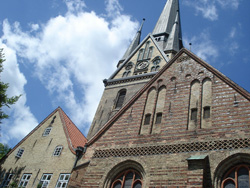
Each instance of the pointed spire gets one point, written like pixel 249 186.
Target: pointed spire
pixel 173 43
pixel 168 27
pixel 135 42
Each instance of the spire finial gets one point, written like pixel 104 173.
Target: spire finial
pixel 143 20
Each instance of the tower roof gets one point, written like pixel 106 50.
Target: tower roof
pixel 169 25
pixel 134 43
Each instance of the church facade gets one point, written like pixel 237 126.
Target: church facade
pixel 167 119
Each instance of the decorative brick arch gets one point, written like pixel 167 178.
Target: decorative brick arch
pixel 123 166
pixel 227 164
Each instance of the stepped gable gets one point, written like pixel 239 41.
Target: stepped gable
pixel 179 57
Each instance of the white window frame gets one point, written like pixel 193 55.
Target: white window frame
pixel 62 181
pixel 7 179
pixel 57 151
pixel 45 180
pixel 24 180
pixel 19 152
pixel 47 131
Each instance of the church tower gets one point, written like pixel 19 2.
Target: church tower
pixel 140 63
pixel 167 119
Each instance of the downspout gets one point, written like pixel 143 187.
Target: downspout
pixel 80 151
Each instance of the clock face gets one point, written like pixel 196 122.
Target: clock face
pixel 142 65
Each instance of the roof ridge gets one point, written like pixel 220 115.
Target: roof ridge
pixel 68 125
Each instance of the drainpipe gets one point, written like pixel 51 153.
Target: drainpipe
pixel 80 151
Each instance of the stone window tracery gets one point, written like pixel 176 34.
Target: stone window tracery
pixel 127 179
pixel 237 177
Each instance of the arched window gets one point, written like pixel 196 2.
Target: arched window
pixel 120 98
pixel 237 176
pixel 127 179
pixel 140 55
pixel 150 52
pixel 145 56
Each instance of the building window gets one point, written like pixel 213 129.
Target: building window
pixel 6 180
pixel 126 74
pixel 120 99
pixel 237 177
pixel 156 65
pixel 147 119
pixel 145 56
pixel 158 118
pixel 140 55
pixel 45 180
pixel 194 113
pixel 150 52
pixel 19 152
pixel 206 113
pixel 25 180
pixel 47 131
pixel 63 180
pixel 57 151
pixel 127 179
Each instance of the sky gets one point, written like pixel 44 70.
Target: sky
pixel 58 51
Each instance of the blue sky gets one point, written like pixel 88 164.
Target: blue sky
pixel 59 51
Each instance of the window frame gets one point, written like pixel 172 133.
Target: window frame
pixel 206 112
pixel 46 132
pixel 62 181
pixel 123 175
pixel 147 119
pixel 24 180
pixel 192 116
pixel 236 168
pixel 19 153
pixel 158 118
pixel 57 151
pixel 43 182
pixel 120 98
pixel 7 179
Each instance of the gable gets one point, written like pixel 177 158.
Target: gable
pixel 146 58
pixel 60 129
pixel 229 105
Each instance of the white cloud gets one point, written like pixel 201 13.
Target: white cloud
pixel 234 4
pixel 232 32
pixel 79 50
pixel 209 8
pixel 74 5
pixel 203 46
pixel 22 121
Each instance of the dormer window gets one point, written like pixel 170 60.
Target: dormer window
pixel 47 131
pixel 57 151
pixel 19 152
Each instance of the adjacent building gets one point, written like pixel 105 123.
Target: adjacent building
pixel 46 156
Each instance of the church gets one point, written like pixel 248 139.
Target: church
pixel 167 119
